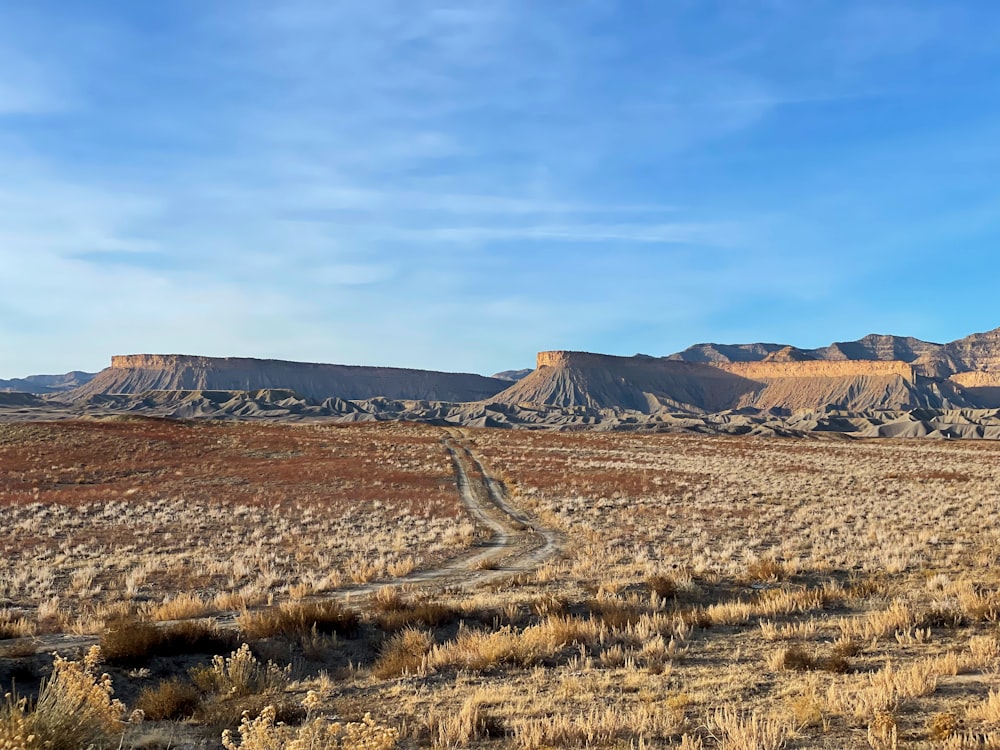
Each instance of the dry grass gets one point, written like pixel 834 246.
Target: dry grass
pixel 182 520
pixel 170 699
pixel 841 594
pixel 131 642
pixel 298 619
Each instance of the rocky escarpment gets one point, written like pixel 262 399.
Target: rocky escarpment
pixel 138 373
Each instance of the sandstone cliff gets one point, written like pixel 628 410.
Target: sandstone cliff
pixel 819 369
pixel 138 373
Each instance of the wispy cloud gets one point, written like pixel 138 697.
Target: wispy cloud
pixel 420 183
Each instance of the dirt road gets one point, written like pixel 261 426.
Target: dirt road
pixel 518 545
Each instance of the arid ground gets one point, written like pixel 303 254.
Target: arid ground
pixel 413 586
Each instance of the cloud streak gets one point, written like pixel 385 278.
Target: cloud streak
pixel 375 182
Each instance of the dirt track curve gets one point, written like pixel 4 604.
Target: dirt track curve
pixel 519 544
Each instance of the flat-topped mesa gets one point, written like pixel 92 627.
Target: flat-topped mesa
pixel 139 373
pixel 819 369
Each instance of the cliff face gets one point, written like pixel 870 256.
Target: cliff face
pixel 138 373
pixel 819 369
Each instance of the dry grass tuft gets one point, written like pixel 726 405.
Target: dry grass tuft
pixel 135 642
pixel 394 612
pixel 299 619
pixel 735 730
pixel 171 699
pixel 404 653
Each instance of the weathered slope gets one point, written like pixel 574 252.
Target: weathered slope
pixel 644 384
pixel 140 373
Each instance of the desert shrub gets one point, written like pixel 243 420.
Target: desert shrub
pixel 404 653
pixel 766 569
pixel 299 619
pixel 15 732
pixel 795 658
pixel 132 642
pixel 129 642
pixel 240 674
pixel 228 711
pixel 267 732
pixel 470 723
pixel 988 710
pixel 74 709
pixel 615 613
pixel 11 627
pixel 662 586
pixel 423 613
pixel 941 726
pixel 171 699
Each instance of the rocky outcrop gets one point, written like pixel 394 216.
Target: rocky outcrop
pixel 138 373
pixel 804 369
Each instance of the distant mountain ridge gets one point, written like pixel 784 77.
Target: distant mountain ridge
pixel 768 386
pixel 872 347
pixel 42 384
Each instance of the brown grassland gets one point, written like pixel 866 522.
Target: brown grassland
pixel 710 592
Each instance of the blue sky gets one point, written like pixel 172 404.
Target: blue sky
pixel 458 185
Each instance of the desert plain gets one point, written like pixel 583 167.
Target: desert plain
pixel 172 584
